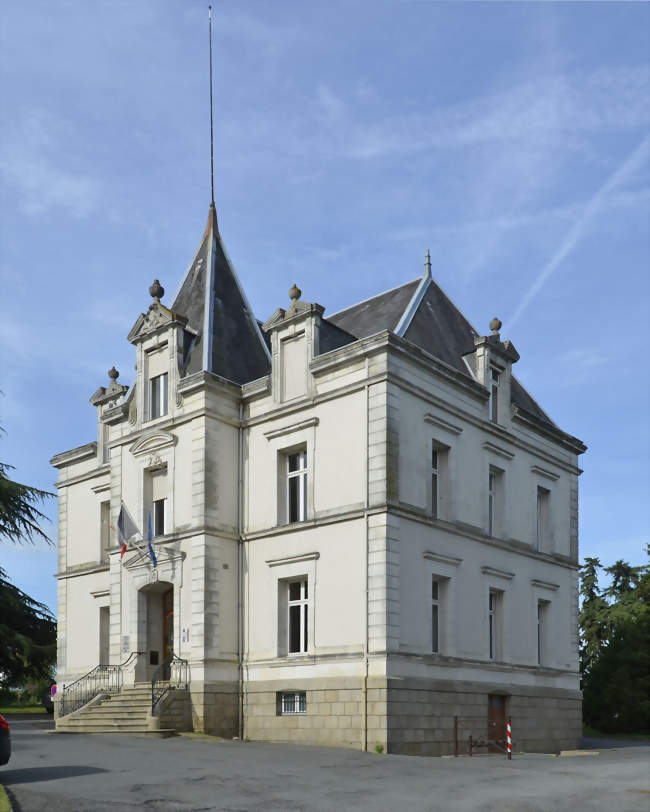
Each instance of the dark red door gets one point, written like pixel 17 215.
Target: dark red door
pixel 496 722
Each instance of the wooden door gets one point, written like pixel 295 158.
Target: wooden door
pixel 496 722
pixel 168 628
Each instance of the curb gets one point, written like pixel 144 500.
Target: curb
pixel 5 803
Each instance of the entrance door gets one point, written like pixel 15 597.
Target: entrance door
pixel 496 722
pixel 168 628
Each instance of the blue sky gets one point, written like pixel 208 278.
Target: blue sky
pixel 511 139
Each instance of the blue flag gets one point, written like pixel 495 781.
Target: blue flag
pixel 150 545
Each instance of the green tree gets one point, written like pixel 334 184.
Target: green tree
pixel 27 635
pixel 19 516
pixel 27 627
pixel 594 615
pixel 615 647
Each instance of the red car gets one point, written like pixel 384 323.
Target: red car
pixel 5 740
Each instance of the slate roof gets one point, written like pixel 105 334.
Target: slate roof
pixel 230 342
pixel 436 326
pixel 382 312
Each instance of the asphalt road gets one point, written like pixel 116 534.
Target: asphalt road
pixel 52 772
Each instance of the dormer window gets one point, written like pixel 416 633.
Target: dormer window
pixel 158 396
pixel 494 394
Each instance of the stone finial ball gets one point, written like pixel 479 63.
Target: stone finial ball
pixel 156 291
pixel 113 374
pixel 295 293
pixel 495 325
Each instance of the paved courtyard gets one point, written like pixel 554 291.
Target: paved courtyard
pixel 55 772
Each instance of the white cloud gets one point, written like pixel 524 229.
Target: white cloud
pixel 630 166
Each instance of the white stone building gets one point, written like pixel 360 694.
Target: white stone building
pixel 364 525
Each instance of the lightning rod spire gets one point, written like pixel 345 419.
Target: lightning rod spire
pixel 211 115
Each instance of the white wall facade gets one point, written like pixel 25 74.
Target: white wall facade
pixel 369 545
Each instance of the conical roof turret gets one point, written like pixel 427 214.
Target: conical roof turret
pixel 229 341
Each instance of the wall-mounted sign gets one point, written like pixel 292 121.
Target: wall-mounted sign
pixel 53 689
pixel 125 644
pixel 185 635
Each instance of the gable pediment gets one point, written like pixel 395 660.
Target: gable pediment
pixel 153 440
pixel 157 318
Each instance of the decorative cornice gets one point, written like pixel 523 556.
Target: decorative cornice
pixel 500 452
pixel 100 593
pixel 498 573
pixel 105 486
pixel 544 584
pixel 292 559
pixel 82 452
pixel 535 469
pixel 442 424
pixel 441 559
pixel 281 432
pixel 540 427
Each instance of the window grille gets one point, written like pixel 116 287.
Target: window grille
pixel 293 703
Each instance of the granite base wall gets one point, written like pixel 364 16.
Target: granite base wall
pixel 175 710
pixel 421 717
pixel 215 708
pixel 334 717
pixel 404 716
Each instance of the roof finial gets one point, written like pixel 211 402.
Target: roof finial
pixel 211 116
pixel 495 326
pixel 427 263
pixel 294 294
pixel 113 374
pixel 156 291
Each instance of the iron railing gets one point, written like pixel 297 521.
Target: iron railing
pixel 173 672
pixel 103 679
pixel 476 733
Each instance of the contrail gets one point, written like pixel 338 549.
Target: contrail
pixel 631 164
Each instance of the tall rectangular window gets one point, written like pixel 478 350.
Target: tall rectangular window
pixel 297 621
pixel 541 531
pixel 434 483
pixel 297 487
pixel 435 616
pixel 158 396
pixel 494 624
pixel 159 510
pixel 496 490
pixel 542 631
pixel 439 495
pixel 105 529
pixel 491 502
pixel 494 395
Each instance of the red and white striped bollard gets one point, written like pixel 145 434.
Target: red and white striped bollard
pixel 509 740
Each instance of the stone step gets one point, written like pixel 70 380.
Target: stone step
pixel 162 733
pixel 108 717
pixel 125 703
pixel 106 721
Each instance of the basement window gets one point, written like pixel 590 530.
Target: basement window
pixel 291 703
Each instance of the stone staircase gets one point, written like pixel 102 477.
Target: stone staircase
pixel 126 712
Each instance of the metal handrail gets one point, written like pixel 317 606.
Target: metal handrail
pixel 102 679
pixel 178 673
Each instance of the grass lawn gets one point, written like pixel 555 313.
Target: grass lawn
pixel 8 710
pixel 5 806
